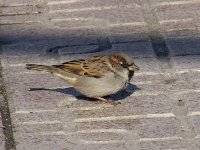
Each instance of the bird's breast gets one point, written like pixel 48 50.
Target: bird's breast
pixel 98 87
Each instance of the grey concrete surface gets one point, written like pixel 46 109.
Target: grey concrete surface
pixel 160 111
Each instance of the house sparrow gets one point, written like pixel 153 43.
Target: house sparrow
pixel 95 77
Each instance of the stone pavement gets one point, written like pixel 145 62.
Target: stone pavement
pixel 159 111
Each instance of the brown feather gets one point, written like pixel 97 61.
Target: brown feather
pixel 92 67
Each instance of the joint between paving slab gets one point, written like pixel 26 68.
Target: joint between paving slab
pixel 5 112
pixel 158 43
pixel 103 45
pixel 180 111
pixel 6 119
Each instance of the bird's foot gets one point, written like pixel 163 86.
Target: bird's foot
pixel 108 101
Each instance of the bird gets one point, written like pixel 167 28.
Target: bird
pixel 94 77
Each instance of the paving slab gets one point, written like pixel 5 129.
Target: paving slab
pixel 160 109
pixel 53 114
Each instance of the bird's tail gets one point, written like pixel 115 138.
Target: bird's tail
pixel 45 68
pixel 54 70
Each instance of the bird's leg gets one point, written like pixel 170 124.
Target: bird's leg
pixel 107 101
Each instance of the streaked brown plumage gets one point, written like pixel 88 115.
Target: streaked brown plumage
pixel 95 77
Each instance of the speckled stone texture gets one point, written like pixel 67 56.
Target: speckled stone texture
pixel 159 111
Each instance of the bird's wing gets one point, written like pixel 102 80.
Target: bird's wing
pixel 95 66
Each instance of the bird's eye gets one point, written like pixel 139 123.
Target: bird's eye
pixel 124 64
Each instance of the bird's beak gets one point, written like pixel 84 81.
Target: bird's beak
pixel 133 68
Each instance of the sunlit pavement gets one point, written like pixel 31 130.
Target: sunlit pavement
pixel 160 110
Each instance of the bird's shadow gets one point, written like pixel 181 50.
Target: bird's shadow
pixel 71 91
